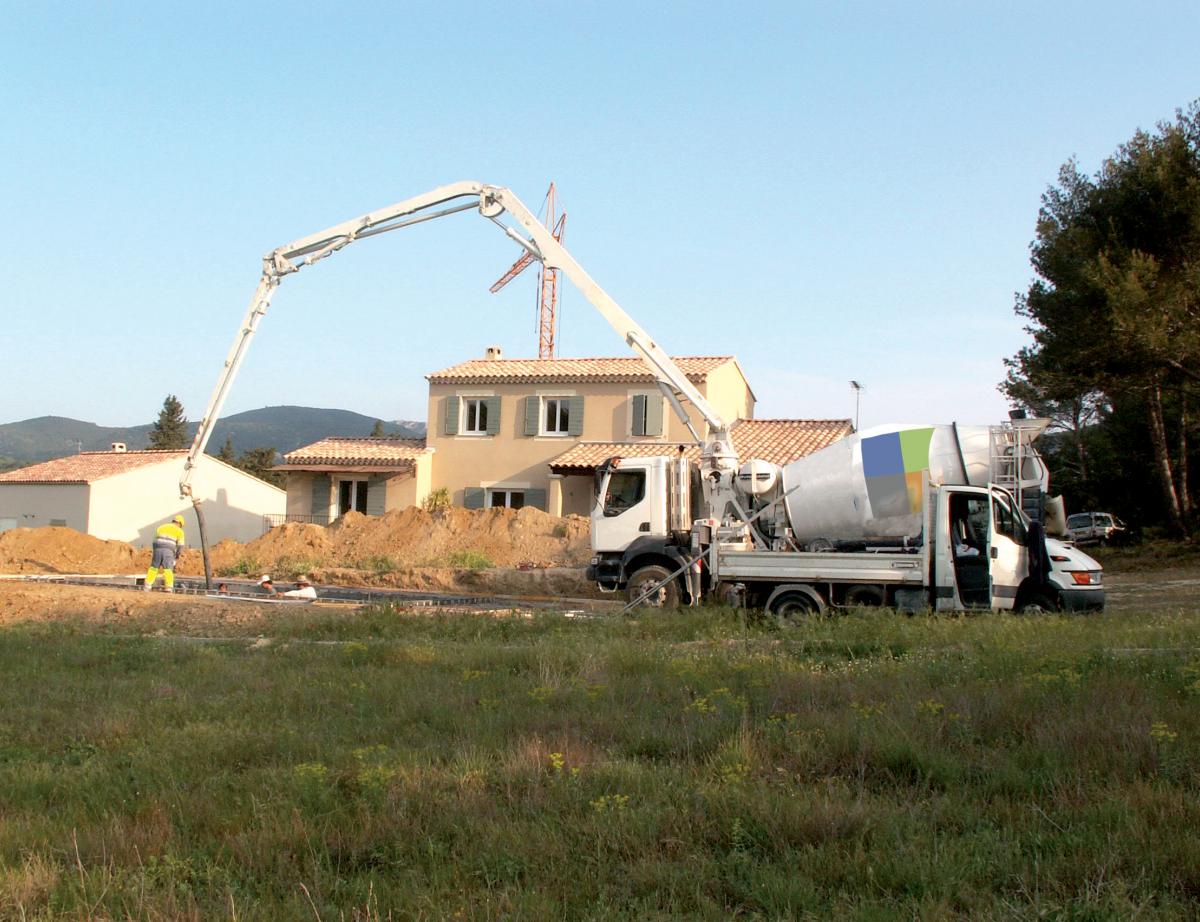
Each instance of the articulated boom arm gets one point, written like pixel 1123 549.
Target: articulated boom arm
pixel 492 202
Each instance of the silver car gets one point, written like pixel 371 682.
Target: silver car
pixel 1096 528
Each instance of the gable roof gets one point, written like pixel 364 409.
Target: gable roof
pixel 336 452
pixel 561 371
pixel 779 441
pixel 90 466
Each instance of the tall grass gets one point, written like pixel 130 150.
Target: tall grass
pixel 674 765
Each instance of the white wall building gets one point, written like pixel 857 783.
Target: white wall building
pixel 125 495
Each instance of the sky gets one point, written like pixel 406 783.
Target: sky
pixel 825 191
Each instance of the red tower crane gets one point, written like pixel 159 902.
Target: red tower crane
pixel 547 281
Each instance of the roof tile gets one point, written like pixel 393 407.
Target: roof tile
pixel 555 371
pixel 90 466
pixel 779 441
pixel 358 452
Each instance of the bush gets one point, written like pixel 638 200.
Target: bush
pixel 244 566
pixel 379 565
pixel 437 501
pixel 294 564
pixel 470 560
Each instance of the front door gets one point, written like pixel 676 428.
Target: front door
pixel 970 529
pixel 1008 553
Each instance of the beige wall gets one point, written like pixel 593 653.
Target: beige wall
pixel 513 460
pixel 34 505
pixel 131 506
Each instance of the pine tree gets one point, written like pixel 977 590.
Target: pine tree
pixel 170 431
pixel 226 453
pixel 377 432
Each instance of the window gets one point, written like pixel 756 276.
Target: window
pixel 1008 522
pixel 475 416
pixel 625 490
pixel 352 496
pixel 556 415
pixel 507 499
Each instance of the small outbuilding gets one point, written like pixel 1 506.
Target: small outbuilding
pixel 125 495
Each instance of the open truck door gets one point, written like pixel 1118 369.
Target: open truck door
pixel 1008 554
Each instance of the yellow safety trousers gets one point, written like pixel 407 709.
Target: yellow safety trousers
pixel 166 530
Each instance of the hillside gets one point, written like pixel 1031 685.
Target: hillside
pixel 285 428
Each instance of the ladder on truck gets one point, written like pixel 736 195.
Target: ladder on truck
pixel 1010 449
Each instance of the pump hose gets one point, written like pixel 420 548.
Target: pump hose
pixel 203 543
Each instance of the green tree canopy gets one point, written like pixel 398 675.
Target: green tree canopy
pixel 226 453
pixel 377 429
pixel 1114 310
pixel 259 461
pixel 170 429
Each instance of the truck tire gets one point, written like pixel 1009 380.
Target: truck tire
pixel 1041 602
pixel 794 604
pixel 644 578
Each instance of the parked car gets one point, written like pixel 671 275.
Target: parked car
pixel 1096 528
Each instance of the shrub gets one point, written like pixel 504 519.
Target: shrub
pixel 379 564
pixel 437 501
pixel 244 566
pixel 470 560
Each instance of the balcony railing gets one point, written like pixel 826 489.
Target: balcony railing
pixel 271 520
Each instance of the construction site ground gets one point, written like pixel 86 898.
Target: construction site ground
pixel 506 559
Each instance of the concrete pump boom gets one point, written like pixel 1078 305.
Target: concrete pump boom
pixel 492 202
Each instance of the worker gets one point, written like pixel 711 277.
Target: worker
pixel 304 589
pixel 267 585
pixel 168 545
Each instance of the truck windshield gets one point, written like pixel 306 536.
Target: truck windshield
pixel 625 490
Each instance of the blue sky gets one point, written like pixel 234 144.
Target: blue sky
pixel 826 191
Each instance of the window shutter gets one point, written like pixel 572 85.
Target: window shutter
pixel 533 409
pixel 575 416
pixel 452 414
pixel 536 498
pixel 493 415
pixel 654 416
pixel 320 495
pixel 473 498
pixel 639 415
pixel 376 496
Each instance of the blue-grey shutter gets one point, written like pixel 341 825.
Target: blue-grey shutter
pixel 536 498
pixel 452 413
pixel 654 415
pixel 493 415
pixel 639 415
pixel 575 416
pixel 320 495
pixel 533 409
pixel 473 498
pixel 376 496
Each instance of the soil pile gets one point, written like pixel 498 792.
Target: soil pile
pixel 64 550
pixel 402 541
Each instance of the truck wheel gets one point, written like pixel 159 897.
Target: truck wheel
pixel 793 606
pixel 665 597
pixel 1042 602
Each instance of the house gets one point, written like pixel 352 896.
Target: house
pixel 368 475
pixel 125 495
pixel 530 432
pixel 496 425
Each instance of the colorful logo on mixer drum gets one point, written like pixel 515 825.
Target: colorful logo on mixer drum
pixel 892 465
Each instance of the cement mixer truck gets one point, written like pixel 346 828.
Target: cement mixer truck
pixel 910 516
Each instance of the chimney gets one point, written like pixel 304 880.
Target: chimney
pixel 119 446
pixel 493 352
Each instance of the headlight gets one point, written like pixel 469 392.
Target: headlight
pixel 1085 577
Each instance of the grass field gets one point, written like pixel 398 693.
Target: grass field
pixel 391 765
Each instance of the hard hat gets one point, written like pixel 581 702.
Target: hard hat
pixel 265 579
pixel 178 520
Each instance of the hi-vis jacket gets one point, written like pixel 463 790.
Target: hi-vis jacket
pixel 169 537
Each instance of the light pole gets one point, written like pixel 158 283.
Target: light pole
pixel 858 389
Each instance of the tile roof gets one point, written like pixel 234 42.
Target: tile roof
pixel 776 440
pixel 556 371
pixel 89 466
pixel 384 453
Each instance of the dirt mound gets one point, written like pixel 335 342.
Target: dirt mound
pixel 64 550
pixel 401 542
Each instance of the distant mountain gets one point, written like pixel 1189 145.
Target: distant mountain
pixel 284 428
